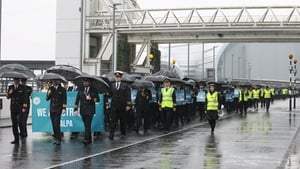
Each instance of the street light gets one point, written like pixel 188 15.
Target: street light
pixel 291 70
pixel 295 73
pixel 150 57
pixel 173 62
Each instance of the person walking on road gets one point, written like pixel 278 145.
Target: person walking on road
pixel 58 103
pixel 200 99
pixel 267 96
pixel 167 103
pixel 86 98
pixel 120 104
pixel 142 104
pixel 28 90
pixel 213 106
pixel 18 108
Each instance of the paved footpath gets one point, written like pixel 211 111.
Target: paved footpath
pixel 258 140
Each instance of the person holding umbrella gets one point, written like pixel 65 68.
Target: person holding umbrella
pixel 120 104
pixel 86 98
pixel 142 103
pixel 213 106
pixel 58 103
pixel 18 107
pixel 28 89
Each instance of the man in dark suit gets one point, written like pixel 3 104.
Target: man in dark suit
pixel 120 102
pixel 28 90
pixel 58 103
pixel 18 108
pixel 143 110
pixel 86 97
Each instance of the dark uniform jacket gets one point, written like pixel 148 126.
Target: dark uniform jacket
pixel 28 90
pixel 143 97
pixel 86 106
pixel 120 98
pixel 58 99
pixel 19 98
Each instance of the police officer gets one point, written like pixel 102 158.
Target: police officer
pixel 120 104
pixel 200 99
pixel 142 103
pixel 167 103
pixel 86 97
pixel 213 106
pixel 28 90
pixel 180 104
pixel 18 109
pixel 58 103
pixel 236 93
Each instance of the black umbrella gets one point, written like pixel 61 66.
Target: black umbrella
pixel 136 76
pixel 98 83
pixel 175 80
pixel 52 76
pixel 168 73
pixel 13 75
pixel 142 83
pixel 17 68
pixel 67 71
pixel 155 78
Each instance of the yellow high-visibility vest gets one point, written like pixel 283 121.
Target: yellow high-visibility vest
pixel 212 101
pixel 243 95
pixel 255 94
pixel 167 99
pixel 268 93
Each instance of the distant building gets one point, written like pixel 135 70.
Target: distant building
pixel 256 61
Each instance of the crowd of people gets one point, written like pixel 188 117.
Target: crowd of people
pixel 166 105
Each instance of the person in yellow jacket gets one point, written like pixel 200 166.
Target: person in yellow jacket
pixel 255 94
pixel 268 96
pixel 167 104
pixel 243 99
pixel 213 106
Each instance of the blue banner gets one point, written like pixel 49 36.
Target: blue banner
pixel 69 122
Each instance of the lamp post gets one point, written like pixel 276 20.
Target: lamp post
pixel 295 73
pixel 291 70
pixel 114 37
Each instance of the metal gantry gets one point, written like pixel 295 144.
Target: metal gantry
pixel 185 25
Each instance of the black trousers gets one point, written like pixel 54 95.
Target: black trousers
pixel 255 103
pixel 25 124
pixel 243 106
pixel 179 114
pixel 143 112
pixel 55 120
pixel 87 121
pixel 116 115
pixel 168 117
pixel 267 101
pixel 200 106
pixel 18 120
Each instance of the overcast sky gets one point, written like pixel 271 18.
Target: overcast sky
pixel 28 26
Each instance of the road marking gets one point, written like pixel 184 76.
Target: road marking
pixel 133 144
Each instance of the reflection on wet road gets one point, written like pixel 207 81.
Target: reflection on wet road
pixel 258 140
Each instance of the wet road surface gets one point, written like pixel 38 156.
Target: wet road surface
pixel 258 140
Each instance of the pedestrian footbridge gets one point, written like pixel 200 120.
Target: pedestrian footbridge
pixel 223 24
